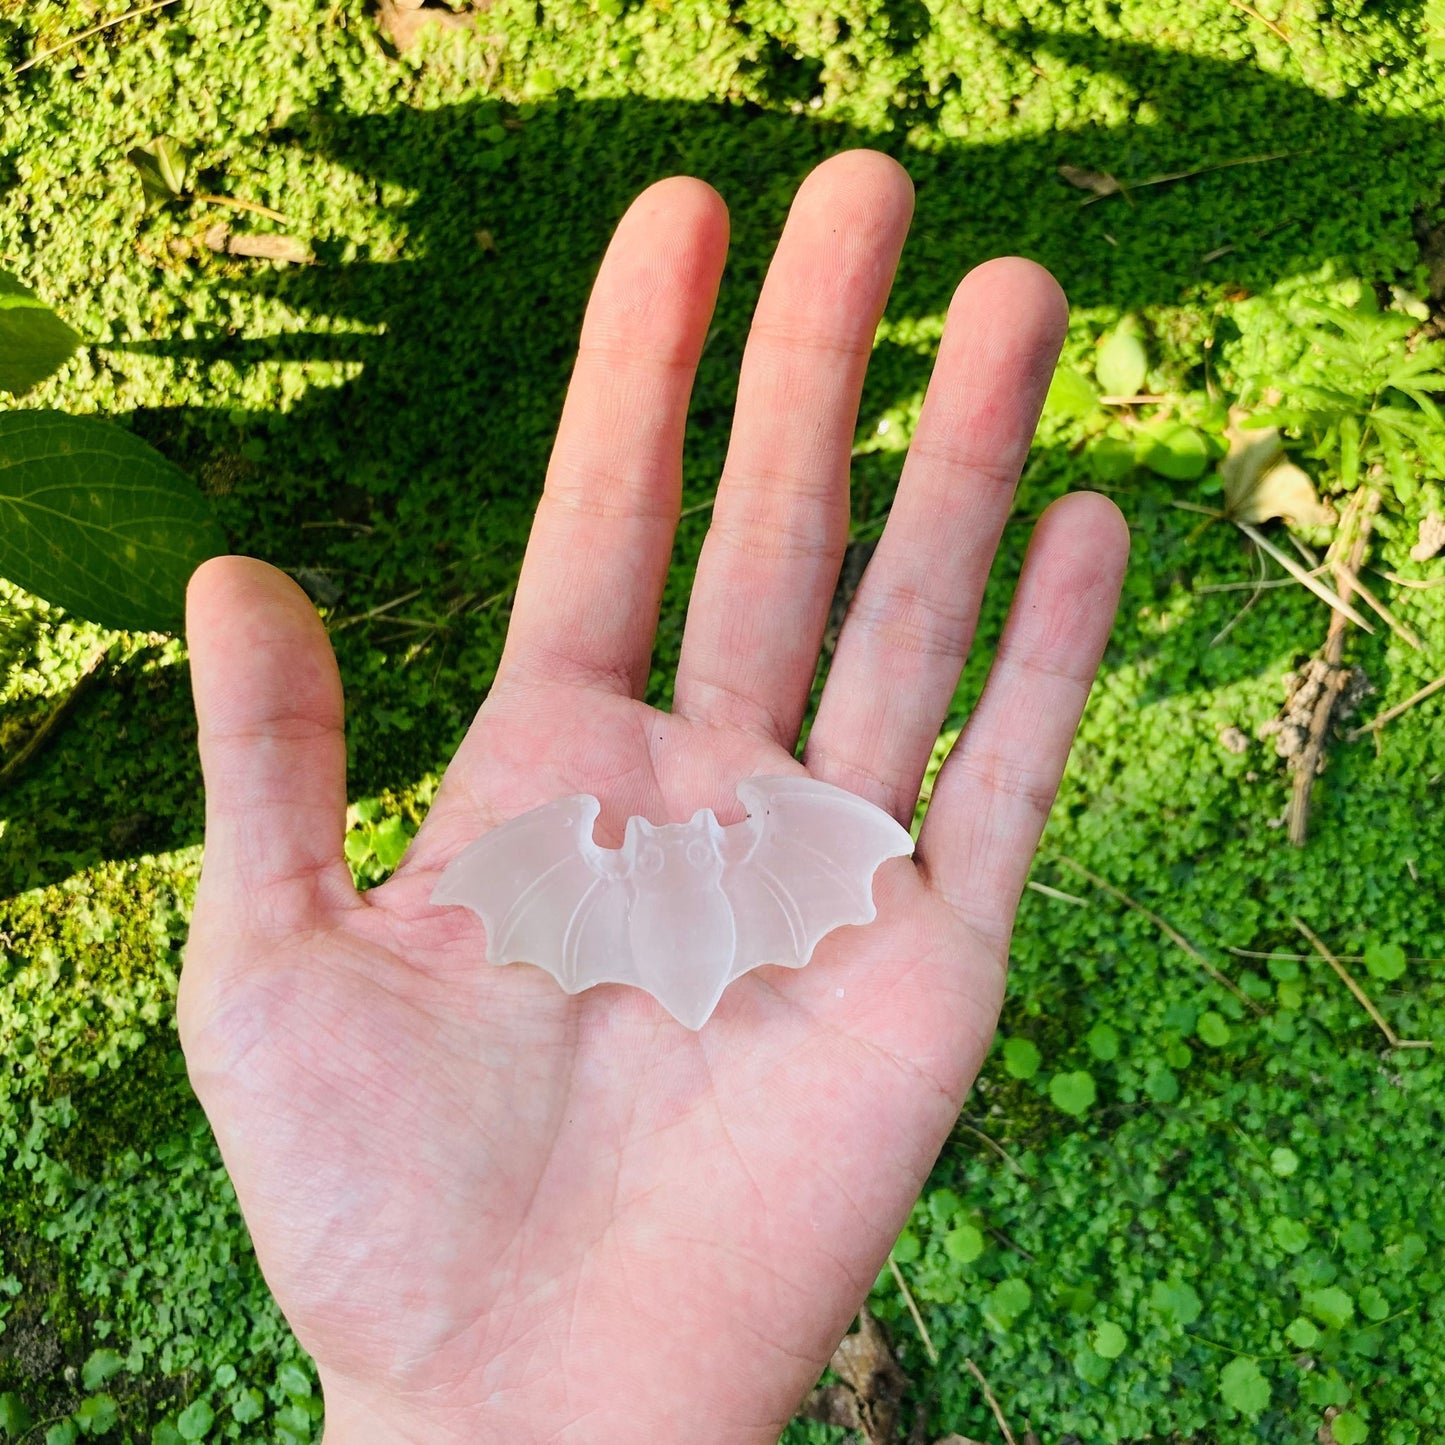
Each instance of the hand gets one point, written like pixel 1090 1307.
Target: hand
pixel 492 1211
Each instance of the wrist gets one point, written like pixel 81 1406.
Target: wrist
pixel 356 1415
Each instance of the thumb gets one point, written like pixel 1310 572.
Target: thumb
pixel 273 750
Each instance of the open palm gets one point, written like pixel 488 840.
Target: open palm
pixel 495 1211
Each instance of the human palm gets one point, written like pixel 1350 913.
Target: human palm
pixel 494 1210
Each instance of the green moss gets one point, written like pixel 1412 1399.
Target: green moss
pixel 380 422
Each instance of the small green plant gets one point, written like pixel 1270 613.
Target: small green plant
pixel 1358 394
pixel 1243 1387
pixel 375 846
pixel 91 517
pixel 1073 1093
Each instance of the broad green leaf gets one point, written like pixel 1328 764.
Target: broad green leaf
pixel 943 1204
pixel 1244 1387
pixel 1109 1341
pixel 1411 1250
pixel 1289 1234
pixel 99 1368
pixel 1349 1429
pixel 1073 1093
pixel 1373 1304
pixel 1070 395
pixel 63 1432
pixel 1122 363
pixel 1331 1306
pixel 97 1414
pixel 1177 1300
pixel 1358 1239
pixel 1302 1333
pixel 1385 961
pixel 162 169
pixel 964 1244
pixel 907 1248
pixel 1110 459
pixel 166 1434
pixel 1021 1058
pixel 1213 1029
pixel 1103 1042
pixel 1006 1301
pixel 195 1420
pixel 34 341
pixel 389 842
pixel 95 521
pixel 1171 449
pixel 292 1418
pixel 15 1418
pixel 291 1377
pixel 1283 1161
pixel 250 1406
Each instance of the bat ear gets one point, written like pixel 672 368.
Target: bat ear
pixel 737 843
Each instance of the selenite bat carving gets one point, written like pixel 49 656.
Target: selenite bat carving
pixel 680 909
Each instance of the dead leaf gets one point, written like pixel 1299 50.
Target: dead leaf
pixel 1432 538
pixel 833 1405
pixel 1261 483
pixel 872 1379
pixel 1101 183
pixel 402 21
pixel 270 248
pixel 955 1440
pixel 259 246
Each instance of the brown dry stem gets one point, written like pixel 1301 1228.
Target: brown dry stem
pixel 1394 1040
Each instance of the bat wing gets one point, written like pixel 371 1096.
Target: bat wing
pixel 545 895
pixel 810 869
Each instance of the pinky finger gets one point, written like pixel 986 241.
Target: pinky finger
pixel 994 792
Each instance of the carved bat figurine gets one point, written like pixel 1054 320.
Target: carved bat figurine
pixel 680 909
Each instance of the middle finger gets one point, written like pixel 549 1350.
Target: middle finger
pixel 770 562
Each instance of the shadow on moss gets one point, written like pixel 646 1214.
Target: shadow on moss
pixel 421 472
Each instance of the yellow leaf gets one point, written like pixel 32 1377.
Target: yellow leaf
pixel 1261 483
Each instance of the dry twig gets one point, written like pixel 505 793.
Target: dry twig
pixel 1058 893
pixel 86 34
pixel 1404 633
pixel 1301 576
pixel 1394 1040
pixel 993 1403
pixel 1124 187
pixel 1390 714
pixel 1306 957
pixel 45 729
pixel 908 1300
pixel 236 204
pixel 1263 19
pixel 1167 929
pixel 996 1147
pixel 1354 532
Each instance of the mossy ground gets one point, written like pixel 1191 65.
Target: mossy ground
pixel 1247 1186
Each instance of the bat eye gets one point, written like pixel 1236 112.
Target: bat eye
pixel 649 861
pixel 698 854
